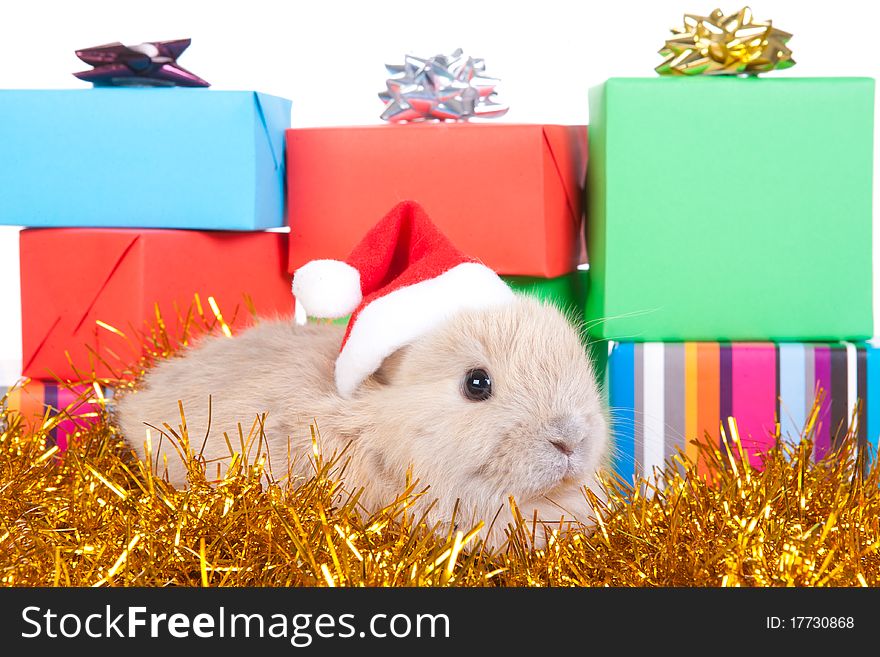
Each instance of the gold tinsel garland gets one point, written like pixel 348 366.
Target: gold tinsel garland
pixel 96 516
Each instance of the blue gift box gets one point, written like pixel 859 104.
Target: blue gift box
pixel 143 157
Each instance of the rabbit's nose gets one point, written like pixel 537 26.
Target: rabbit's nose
pixel 562 447
pixel 565 433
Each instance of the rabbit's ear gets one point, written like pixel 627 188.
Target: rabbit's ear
pixel 388 369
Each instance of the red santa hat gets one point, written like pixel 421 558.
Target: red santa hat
pixel 404 279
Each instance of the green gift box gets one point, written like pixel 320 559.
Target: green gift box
pixel 725 208
pixel 566 292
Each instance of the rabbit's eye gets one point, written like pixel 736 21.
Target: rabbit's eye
pixel 477 385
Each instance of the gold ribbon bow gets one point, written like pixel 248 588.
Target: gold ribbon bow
pixel 725 45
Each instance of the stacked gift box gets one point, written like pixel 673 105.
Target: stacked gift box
pixel 729 232
pixel 728 229
pixel 137 201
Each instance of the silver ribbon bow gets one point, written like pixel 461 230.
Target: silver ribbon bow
pixel 440 88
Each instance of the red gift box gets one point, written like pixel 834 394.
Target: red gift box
pixel 73 278
pixel 507 194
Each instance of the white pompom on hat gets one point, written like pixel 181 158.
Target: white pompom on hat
pixel 404 279
pixel 328 288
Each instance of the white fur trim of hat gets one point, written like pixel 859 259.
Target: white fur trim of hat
pixel 399 317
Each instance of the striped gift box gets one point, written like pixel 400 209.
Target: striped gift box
pixel 665 394
pixel 33 398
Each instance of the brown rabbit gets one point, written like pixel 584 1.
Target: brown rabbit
pixel 482 393
pixel 539 434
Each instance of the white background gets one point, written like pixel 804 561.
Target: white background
pixel 328 58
